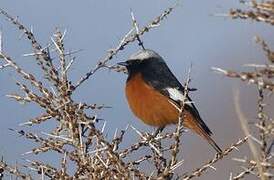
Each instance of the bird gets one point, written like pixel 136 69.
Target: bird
pixel 155 95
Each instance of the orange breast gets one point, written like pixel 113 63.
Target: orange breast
pixel 154 109
pixel 148 104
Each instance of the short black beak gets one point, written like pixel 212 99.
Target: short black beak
pixel 123 64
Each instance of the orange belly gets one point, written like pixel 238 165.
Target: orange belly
pixel 149 105
pixel 154 109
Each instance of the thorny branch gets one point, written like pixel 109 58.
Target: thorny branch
pixel 199 171
pixel 129 38
pixel 261 141
pixel 77 138
pixel 90 150
pixel 259 11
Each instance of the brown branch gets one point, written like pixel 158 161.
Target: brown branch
pixel 124 42
pixel 198 172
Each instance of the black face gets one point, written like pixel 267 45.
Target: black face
pixel 142 66
pixel 134 65
pixel 150 68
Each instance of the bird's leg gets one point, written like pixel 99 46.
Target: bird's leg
pixel 158 130
pixel 157 143
pixel 192 89
pixel 160 161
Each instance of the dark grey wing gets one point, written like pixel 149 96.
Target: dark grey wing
pixel 163 80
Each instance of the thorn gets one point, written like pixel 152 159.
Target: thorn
pixel 219 70
pixel 1 41
pixel 104 125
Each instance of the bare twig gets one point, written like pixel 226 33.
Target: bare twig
pixel 125 41
pixel 198 172
pixel 246 131
pixel 134 21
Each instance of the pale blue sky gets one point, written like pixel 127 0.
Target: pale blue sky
pixel 191 34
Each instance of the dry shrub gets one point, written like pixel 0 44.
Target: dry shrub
pixel 261 141
pixel 76 138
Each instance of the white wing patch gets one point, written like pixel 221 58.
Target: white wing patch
pixel 175 94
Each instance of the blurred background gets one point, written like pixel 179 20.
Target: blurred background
pixel 193 34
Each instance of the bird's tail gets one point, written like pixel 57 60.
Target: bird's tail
pixel 210 141
pixel 192 123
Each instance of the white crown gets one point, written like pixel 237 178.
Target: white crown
pixel 145 54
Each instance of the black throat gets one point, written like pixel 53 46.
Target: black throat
pixel 155 73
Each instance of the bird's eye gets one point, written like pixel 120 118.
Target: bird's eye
pixel 133 62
